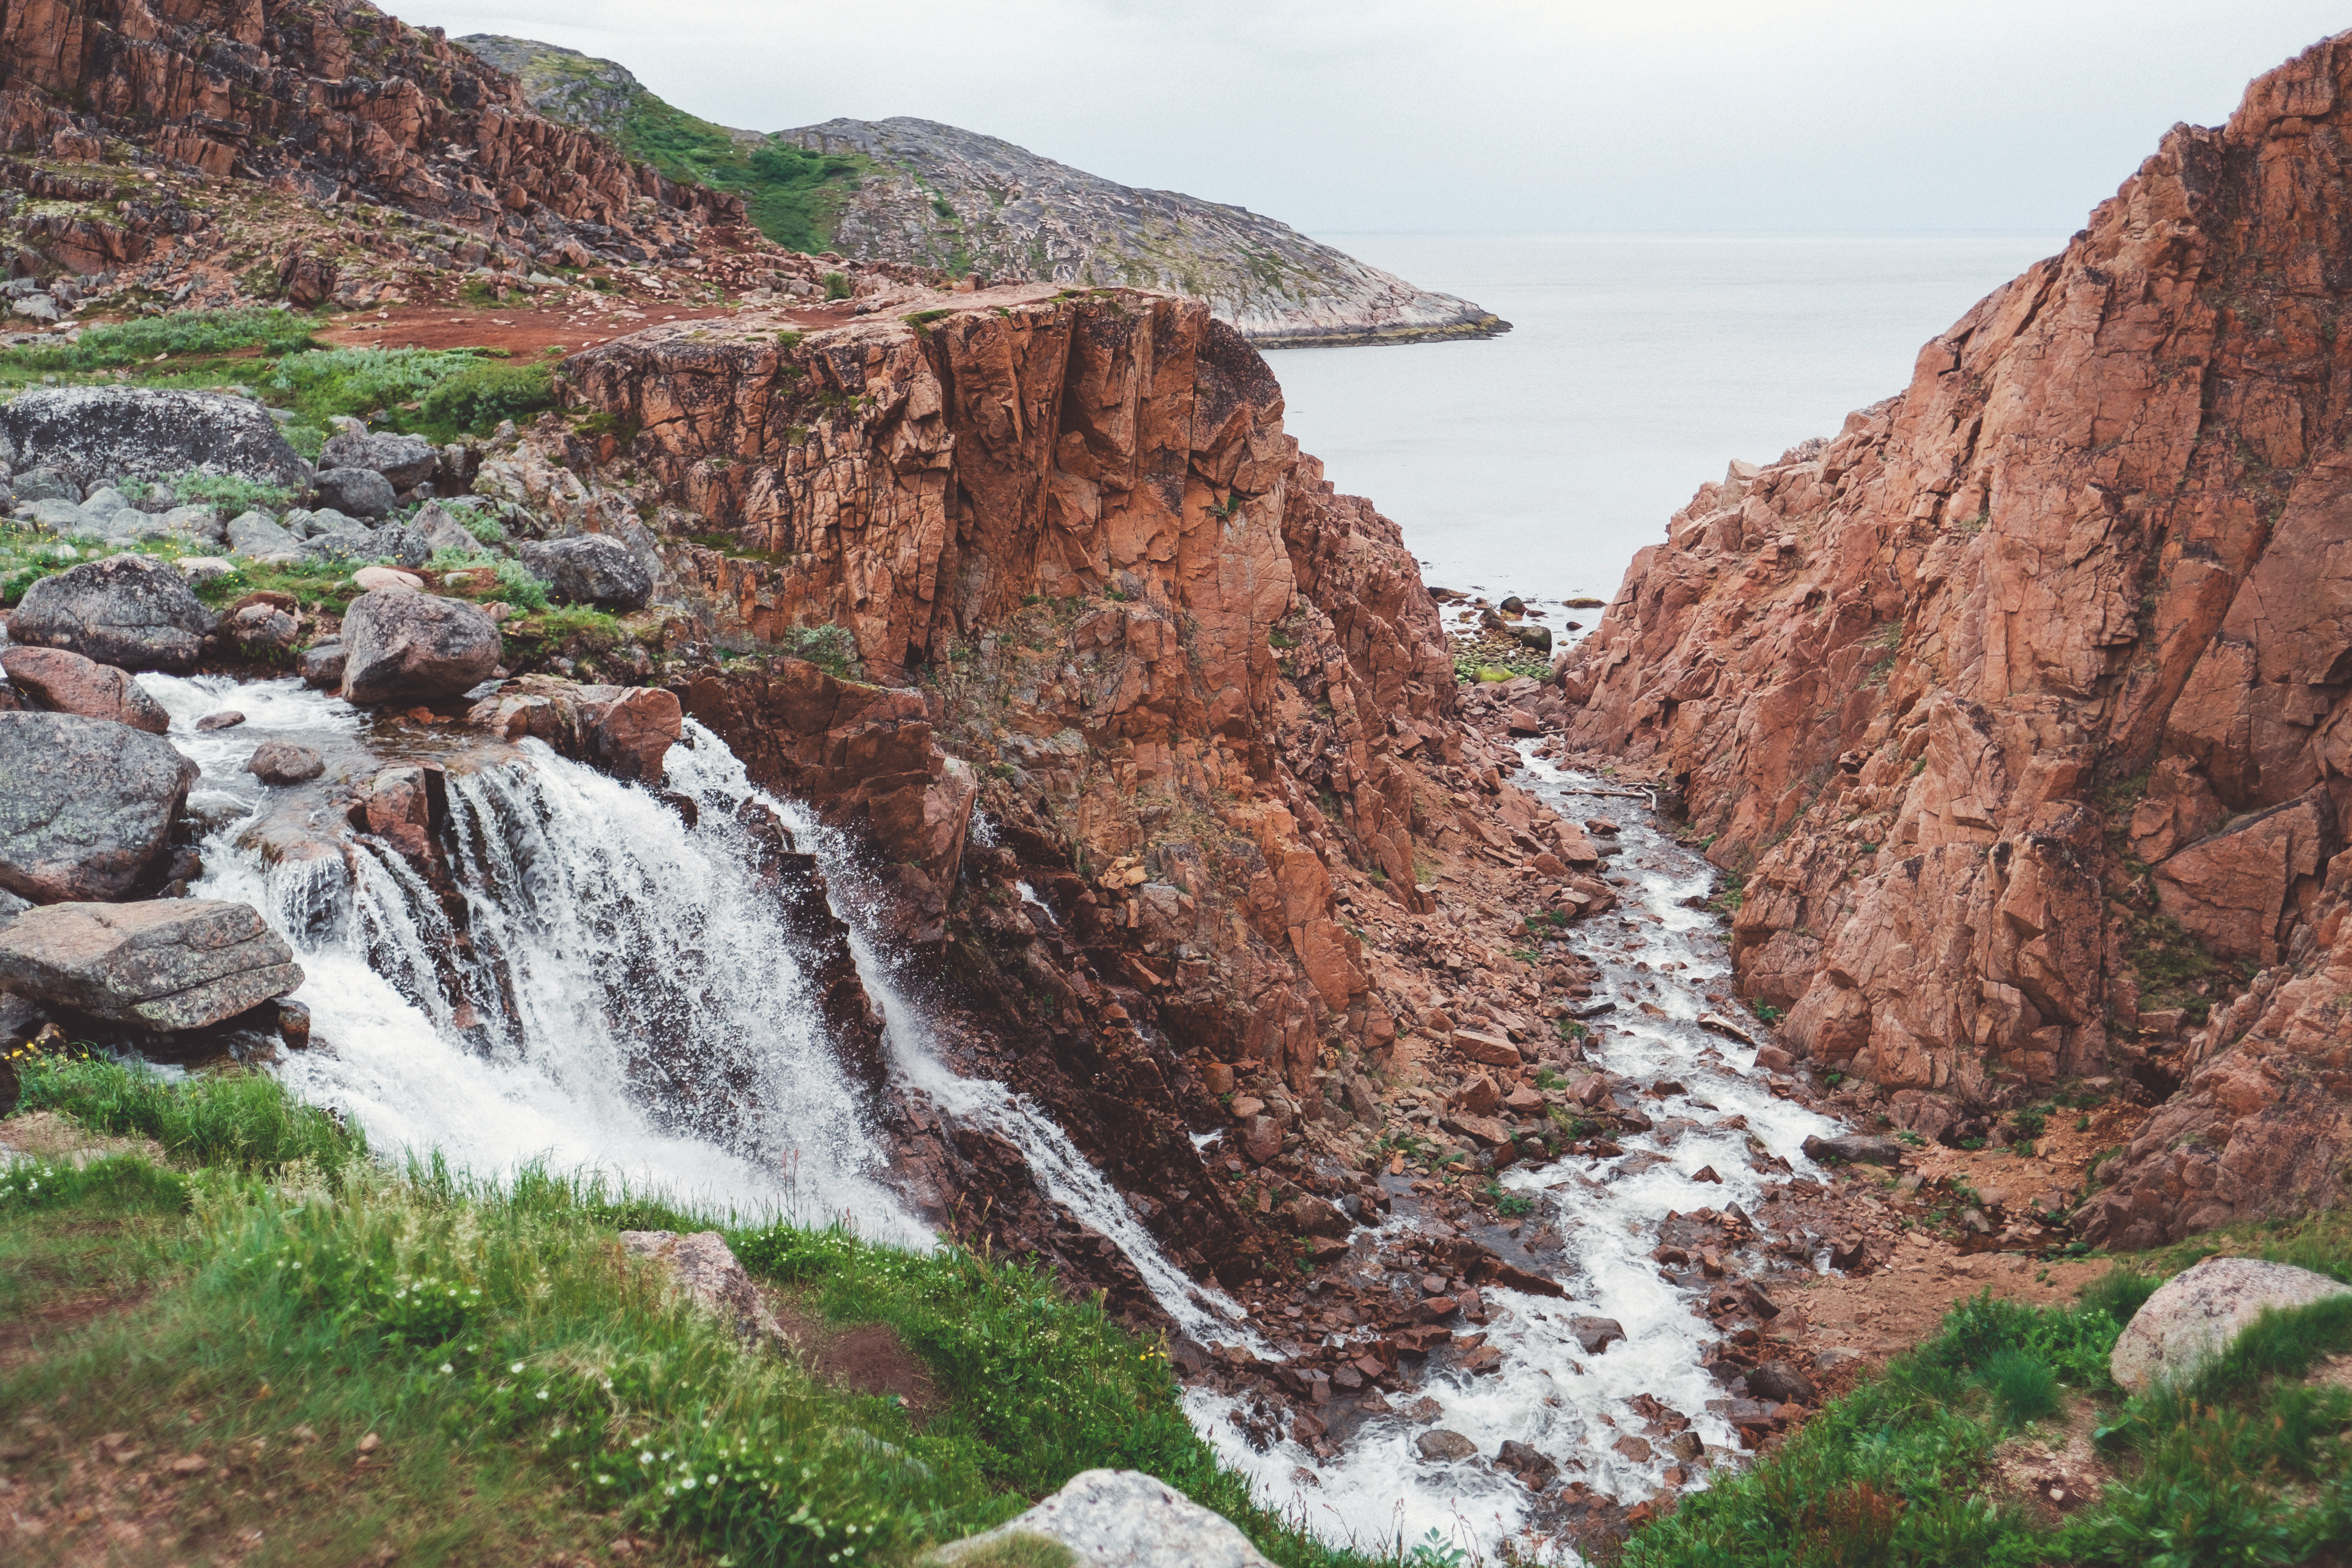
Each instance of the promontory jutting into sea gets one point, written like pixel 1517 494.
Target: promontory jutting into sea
pixel 843 845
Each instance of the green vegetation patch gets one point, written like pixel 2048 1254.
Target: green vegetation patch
pixel 349 1360
pixel 794 195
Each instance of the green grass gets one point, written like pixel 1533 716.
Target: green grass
pixel 181 334
pixel 793 196
pixel 2242 1464
pixel 525 1380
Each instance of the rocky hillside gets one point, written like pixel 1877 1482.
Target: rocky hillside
pixel 2018 710
pixel 931 196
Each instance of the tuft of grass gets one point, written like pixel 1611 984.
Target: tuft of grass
pixel 238 1119
pixel 231 493
pixel 180 334
pixel 2021 1385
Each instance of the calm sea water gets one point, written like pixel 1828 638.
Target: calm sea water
pixel 1539 462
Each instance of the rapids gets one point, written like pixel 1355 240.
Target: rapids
pixel 618 997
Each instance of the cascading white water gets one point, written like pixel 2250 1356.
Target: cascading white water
pixel 606 947
pixel 1549 1394
pixel 619 995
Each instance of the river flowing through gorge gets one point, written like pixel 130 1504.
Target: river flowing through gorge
pixel 606 985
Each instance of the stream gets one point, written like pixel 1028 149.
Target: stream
pixel 618 997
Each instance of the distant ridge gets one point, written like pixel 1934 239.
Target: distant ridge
pixel 918 191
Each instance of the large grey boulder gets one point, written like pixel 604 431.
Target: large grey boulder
pixel 90 433
pixel 45 485
pixel 166 964
pixel 62 681
pixel 336 546
pixel 438 531
pixel 400 544
pixel 361 492
pixel 2201 1311
pixel 402 645
pixel 1121 1518
pixel 406 461
pixel 55 515
pixel 86 805
pixel 590 569
pixel 128 610
pixel 253 535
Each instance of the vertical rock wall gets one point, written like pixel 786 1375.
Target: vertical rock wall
pixel 2020 704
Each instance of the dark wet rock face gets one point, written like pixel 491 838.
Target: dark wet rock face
pixel 592 569
pixel 400 644
pixel 128 611
pixel 86 806
pixel 168 964
pixel 64 682
pixel 98 433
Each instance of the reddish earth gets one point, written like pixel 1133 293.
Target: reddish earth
pixel 594 320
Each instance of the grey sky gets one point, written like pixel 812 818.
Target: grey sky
pixel 1492 114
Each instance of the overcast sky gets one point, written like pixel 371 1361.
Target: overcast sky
pixel 1539 116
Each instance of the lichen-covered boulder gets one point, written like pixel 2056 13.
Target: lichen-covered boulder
pixel 361 492
pixel 2201 1310
pixel 93 434
pixel 1121 1518
pixel 590 569
pixel 86 805
pixel 62 681
pixel 405 461
pixel 402 645
pixel 166 964
pixel 127 610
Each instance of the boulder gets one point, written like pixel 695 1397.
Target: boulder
pixel 705 1269
pixel 1595 1334
pixel 52 514
pixel 361 492
pixel 625 730
pixel 127 610
pixel 346 542
pixel 1488 1050
pixel 64 682
pixel 400 643
pixel 254 534
pixel 1854 1149
pixel 405 461
pixel 166 964
pixel 46 483
pixel 439 530
pixel 1440 1446
pixel 86 805
pixel 89 434
pixel 1783 1384
pixel 2201 1310
pixel 399 543
pixel 181 525
pixel 321 663
pixel 263 628
pixel 590 569
pixel 370 578
pixel 1312 1215
pixel 1119 1519
pixel 283 762
pixel 199 570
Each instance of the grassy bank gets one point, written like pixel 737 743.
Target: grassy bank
pixel 1947 1457
pixel 276 1349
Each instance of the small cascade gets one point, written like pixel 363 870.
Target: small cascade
pixel 1550 1393
pixel 604 987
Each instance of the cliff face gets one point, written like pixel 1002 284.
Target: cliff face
pixel 1188 684
pixel 322 102
pixel 941 196
pixel 2020 703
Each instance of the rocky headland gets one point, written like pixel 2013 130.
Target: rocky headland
pixel 938 198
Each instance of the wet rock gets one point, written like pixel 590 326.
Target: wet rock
pixel 64 682
pixel 590 569
pixel 2201 1310
pixel 1595 1334
pixel 85 806
pixel 1781 1383
pixel 1535 1469
pixel 293 1023
pixel 1311 1216
pixel 1715 1023
pixel 321 663
pixel 165 964
pixel 1443 1446
pixel 1633 1448
pixel 358 492
pixel 402 645
pixel 1854 1149
pixel 127 611
pixel 1686 1446
pixel 1120 1519
pixel 283 762
pixel 93 434
pixel 228 718
pixel 627 731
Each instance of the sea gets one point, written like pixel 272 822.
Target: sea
pixel 1636 368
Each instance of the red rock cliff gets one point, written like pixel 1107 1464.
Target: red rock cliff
pixel 2020 703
